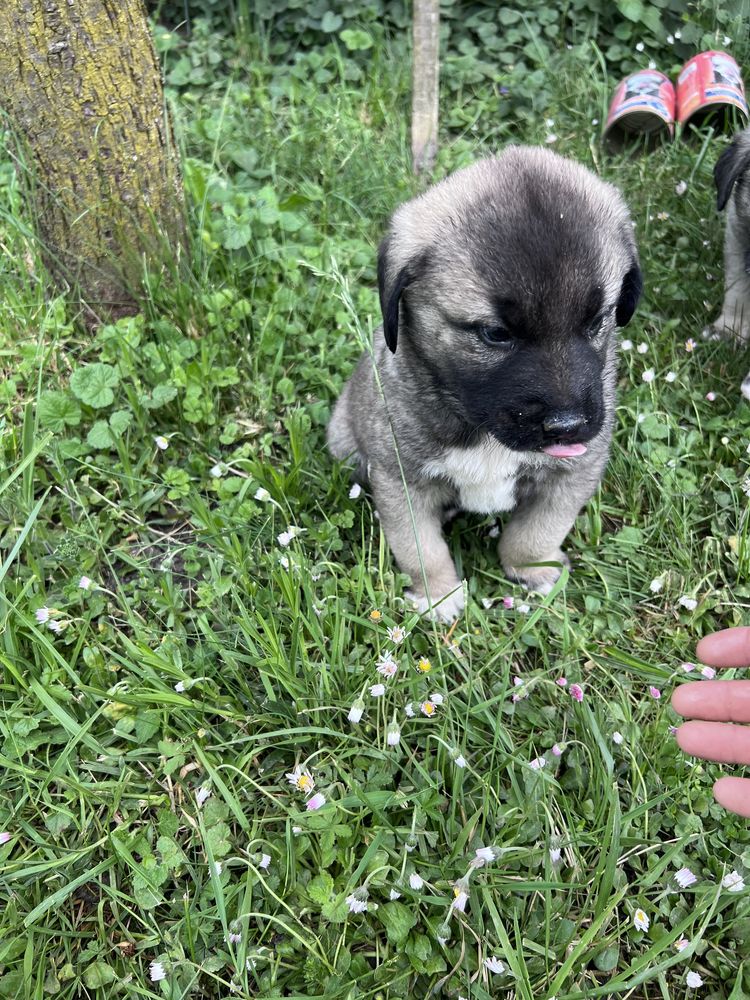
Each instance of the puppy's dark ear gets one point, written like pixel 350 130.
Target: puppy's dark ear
pixel 632 286
pixel 390 290
pixel 729 168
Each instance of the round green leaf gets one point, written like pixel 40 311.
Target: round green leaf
pixel 57 410
pixel 93 384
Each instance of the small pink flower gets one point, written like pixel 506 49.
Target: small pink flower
pixel 562 681
pixel 557 750
pixel 508 603
pixel 690 345
pixel 316 802
pixel 4 837
pixel 654 692
pixel 709 673
pixel 576 691
pixel 710 396
pixel 688 667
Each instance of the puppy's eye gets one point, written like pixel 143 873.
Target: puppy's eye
pixel 496 336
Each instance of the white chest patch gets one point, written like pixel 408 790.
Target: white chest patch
pixel 484 476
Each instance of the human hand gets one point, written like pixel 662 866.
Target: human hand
pixel 715 706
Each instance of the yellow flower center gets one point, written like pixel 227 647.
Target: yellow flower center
pixel 428 708
pixel 424 665
pixel 303 781
pixel 376 615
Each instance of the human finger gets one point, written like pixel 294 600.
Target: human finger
pixel 728 648
pixel 733 794
pixel 717 741
pixel 714 701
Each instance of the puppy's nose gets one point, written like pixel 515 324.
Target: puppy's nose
pixel 566 425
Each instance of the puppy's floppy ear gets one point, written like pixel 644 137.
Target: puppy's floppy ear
pixel 390 290
pixel 630 292
pixel 730 166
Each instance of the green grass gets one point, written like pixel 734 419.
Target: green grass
pixel 210 656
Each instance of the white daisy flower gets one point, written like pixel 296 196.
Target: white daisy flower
pixel 639 47
pixel 218 868
pixel 201 795
pixel 459 760
pixel 656 584
pixel 626 345
pixel 641 920
pixel 684 878
pixel 355 492
pixel 42 615
pixel 397 634
pixel 234 937
pixel 156 972
pixel 555 854
pixel 85 583
pixel 538 763
pixel 693 980
pixel 262 494
pixel 161 442
pixel 436 698
pixel 286 536
pixel 265 861
pixel 708 672
pixel 689 603
pixel 317 801
pixel 649 375
pixel 523 609
pixel 409 710
pixel 387 667
pixel 301 779
pixel 460 896
pixel 394 894
pixel 179 687
pixel 617 738
pixel 670 376
pixel 427 708
pixel 55 626
pixel 642 348
pixel 494 965
pixel 216 471
pixel 733 882
pixel 682 944
pixel 377 690
pixel 680 187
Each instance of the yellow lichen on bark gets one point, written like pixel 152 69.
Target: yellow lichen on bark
pixel 81 85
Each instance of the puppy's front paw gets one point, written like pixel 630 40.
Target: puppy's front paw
pixel 539 579
pixel 745 387
pixel 728 327
pixel 446 606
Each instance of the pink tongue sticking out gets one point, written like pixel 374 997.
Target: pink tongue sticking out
pixel 564 450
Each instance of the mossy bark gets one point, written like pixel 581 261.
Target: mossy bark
pixel 81 84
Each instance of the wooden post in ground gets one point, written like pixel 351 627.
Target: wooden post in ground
pixel 425 77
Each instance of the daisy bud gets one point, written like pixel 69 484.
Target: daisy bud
pixel 157 971
pixel 416 881
pixel 316 802
pixel 357 901
pixel 356 711
pixel 393 735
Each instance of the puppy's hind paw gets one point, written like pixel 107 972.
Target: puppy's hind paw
pixel 445 608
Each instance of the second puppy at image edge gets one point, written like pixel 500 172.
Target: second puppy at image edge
pixel 501 288
pixel 732 178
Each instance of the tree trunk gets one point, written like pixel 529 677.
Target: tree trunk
pixel 81 84
pixel 425 75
